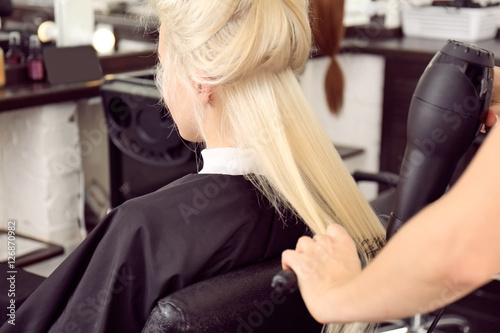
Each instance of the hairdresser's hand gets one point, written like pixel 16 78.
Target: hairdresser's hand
pixel 322 264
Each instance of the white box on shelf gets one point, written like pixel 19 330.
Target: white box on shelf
pixel 464 24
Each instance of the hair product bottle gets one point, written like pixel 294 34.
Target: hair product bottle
pixel 14 55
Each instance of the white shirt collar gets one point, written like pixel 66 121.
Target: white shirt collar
pixel 228 161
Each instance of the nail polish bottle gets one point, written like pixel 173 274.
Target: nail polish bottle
pixel 34 61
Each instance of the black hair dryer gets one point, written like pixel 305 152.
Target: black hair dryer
pixel 447 110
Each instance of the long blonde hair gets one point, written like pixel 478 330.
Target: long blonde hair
pixel 250 52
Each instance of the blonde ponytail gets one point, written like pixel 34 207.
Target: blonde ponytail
pixel 250 52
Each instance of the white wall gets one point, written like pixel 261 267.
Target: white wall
pixel 360 121
pixel 94 142
pixel 41 178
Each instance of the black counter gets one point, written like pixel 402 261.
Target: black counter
pixel 405 48
pixel 20 93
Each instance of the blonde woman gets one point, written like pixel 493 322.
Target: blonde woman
pixel 227 73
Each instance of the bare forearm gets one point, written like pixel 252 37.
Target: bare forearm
pixel 410 276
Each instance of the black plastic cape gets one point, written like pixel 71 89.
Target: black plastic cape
pixel 194 228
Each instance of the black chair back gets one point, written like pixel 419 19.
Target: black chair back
pixel 240 301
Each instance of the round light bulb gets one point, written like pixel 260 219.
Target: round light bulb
pixel 103 40
pixel 47 31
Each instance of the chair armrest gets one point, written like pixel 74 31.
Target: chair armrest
pixel 238 301
pixel 381 177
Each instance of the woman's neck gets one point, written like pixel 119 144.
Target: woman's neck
pixel 216 134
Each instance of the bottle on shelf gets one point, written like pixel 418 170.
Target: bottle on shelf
pixel 2 68
pixel 14 55
pixel 34 61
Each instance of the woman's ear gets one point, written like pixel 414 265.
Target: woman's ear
pixel 205 92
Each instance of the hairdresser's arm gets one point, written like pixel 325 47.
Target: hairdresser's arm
pixel 446 251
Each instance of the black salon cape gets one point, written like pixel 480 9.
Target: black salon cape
pixel 194 228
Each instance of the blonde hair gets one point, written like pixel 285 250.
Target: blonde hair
pixel 250 52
